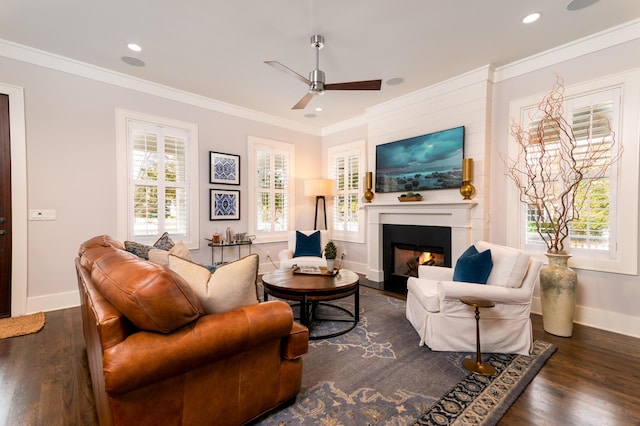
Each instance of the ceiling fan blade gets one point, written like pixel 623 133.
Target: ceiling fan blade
pixel 303 102
pixel 283 68
pixel 355 85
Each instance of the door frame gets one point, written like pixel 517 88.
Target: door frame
pixel 18 198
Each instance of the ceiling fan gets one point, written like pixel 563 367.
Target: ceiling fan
pixel 316 80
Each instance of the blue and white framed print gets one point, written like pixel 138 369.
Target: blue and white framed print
pixel 224 205
pixel 224 168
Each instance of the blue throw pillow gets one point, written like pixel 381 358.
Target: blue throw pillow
pixel 308 245
pixel 473 267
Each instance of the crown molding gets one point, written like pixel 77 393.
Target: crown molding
pixel 52 61
pixel 592 43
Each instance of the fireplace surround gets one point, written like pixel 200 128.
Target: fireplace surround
pixel 456 215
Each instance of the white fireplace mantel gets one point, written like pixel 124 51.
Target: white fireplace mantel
pixel 454 214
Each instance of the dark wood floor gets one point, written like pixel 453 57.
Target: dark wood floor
pixel 592 379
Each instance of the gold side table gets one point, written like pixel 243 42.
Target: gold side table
pixel 477 366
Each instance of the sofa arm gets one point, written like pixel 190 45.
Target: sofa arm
pixel 435 273
pixel 450 290
pixel 146 357
pixel 297 344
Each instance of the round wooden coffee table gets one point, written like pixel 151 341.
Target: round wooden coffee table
pixel 313 290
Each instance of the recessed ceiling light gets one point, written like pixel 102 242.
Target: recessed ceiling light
pixel 395 81
pixel 133 61
pixel 310 115
pixel 532 17
pixel 134 47
pixel 318 109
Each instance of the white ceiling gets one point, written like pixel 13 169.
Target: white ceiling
pixel 216 48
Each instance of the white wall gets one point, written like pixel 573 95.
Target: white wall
pixel 71 163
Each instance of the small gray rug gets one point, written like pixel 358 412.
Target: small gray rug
pixel 377 374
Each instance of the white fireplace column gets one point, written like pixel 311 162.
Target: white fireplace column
pixel 455 214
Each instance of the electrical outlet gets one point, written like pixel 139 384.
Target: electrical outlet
pixel 344 253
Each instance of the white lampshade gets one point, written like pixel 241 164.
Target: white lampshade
pixel 315 187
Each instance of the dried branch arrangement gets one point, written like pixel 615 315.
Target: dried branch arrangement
pixel 554 169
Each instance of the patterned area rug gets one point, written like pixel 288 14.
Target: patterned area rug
pixel 377 374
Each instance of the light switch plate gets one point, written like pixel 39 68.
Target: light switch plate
pixel 42 215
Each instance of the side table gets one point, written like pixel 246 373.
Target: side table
pixel 477 366
pixel 222 246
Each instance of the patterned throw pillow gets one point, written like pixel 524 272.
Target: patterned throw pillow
pixel 164 242
pixel 140 250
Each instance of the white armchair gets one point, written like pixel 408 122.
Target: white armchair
pixel 287 256
pixel 446 324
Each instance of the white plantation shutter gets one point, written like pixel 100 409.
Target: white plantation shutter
pixel 270 205
pixel 591 117
pixel 161 182
pixel 347 168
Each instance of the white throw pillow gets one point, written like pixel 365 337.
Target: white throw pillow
pixel 509 265
pixel 230 286
pixel 161 257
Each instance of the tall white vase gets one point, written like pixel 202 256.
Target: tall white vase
pixel 558 285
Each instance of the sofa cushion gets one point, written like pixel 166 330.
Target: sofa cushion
pixel 308 245
pixel 153 298
pixel 230 286
pixel 473 266
pixel 509 265
pixel 161 257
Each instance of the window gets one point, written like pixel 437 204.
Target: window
pixel 271 189
pixel 594 238
pixel 158 175
pixel 346 166
pixel 594 120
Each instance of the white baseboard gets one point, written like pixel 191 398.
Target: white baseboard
pixel 600 319
pixel 53 302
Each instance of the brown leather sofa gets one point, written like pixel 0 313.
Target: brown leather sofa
pixel 158 359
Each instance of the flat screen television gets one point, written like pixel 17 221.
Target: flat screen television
pixel 431 161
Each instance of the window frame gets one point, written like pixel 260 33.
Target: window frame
pixel 124 180
pixel 342 151
pixel 254 144
pixel 624 214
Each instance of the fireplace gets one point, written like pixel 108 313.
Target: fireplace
pixel 405 247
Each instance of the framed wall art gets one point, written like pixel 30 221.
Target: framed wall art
pixel 224 168
pixel 224 204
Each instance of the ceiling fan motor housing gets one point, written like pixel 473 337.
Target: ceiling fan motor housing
pixel 316 77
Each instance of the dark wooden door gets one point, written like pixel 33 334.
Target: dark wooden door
pixel 5 209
